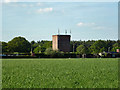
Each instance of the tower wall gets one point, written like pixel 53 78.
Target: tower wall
pixel 55 42
pixel 61 42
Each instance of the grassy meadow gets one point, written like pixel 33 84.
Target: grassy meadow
pixel 60 73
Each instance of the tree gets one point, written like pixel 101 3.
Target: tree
pixel 32 42
pixel 102 49
pixel 4 47
pixel 19 44
pixel 53 53
pixel 37 49
pixel 110 44
pixel 115 47
pixel 81 49
pixel 33 45
pixel 49 51
pixel 0 47
pixel 45 45
pixel 98 46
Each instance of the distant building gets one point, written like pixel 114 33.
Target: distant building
pixel 61 42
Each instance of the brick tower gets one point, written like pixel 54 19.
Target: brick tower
pixel 61 42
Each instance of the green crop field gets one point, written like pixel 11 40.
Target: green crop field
pixel 60 73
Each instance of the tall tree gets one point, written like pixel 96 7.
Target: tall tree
pixel 81 49
pixel 19 44
pixel 4 47
pixel 38 49
pixel 98 46
pixel 115 47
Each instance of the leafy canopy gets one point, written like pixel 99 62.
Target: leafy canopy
pixel 19 44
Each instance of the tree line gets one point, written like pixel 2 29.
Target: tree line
pixel 21 45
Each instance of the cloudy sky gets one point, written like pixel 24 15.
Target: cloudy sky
pixel 39 21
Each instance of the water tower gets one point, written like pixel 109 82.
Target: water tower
pixel 61 42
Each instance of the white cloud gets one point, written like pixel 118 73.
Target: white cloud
pixel 8 1
pixel 81 24
pixel 43 10
pixel 93 26
pixel 23 5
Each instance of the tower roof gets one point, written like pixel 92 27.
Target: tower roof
pixel 61 35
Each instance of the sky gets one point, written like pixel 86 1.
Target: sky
pixel 40 20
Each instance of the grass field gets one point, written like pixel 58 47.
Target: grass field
pixel 60 73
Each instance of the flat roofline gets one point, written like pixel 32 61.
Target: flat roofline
pixel 61 35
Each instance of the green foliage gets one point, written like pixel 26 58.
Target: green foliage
pixel 32 42
pixel 102 49
pixel 33 45
pixel 60 73
pixel 81 49
pixel 98 46
pixel 4 47
pixel 37 49
pixel 0 47
pixel 106 54
pixel 75 44
pixel 49 51
pixel 53 53
pixel 43 45
pixel 115 47
pixel 19 44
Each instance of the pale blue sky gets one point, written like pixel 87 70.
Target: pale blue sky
pixel 39 21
